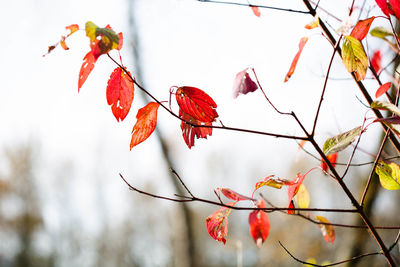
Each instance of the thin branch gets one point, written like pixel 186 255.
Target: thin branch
pixel 395 241
pixel 182 183
pixel 260 6
pixel 330 264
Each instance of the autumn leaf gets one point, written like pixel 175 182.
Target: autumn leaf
pixel 354 57
pixel 303 197
pixel 381 32
pixel 120 93
pixel 272 182
pixel 145 124
pixel 312 25
pixel 291 206
pixel 376 61
pixel 302 43
pixel 361 29
pixel 259 224
pixel 341 141
pixel 86 68
pixel 389 120
pixel 102 40
pixel 256 10
pixel 395 7
pixel 121 41
pixel 243 84
pixel 294 188
pixel 72 28
pixel 382 89
pixel 327 230
pixel 196 103
pixel 389 175
pixel 332 159
pixel 217 223
pixel 229 193
pixel 384 7
pixel 189 132
pixel 386 106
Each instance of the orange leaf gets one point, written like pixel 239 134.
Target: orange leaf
pixel 120 93
pixel 361 29
pixel 256 10
pixel 327 230
pixel 86 68
pixel 382 89
pixel 63 44
pixel 73 28
pixel 121 41
pixel 196 103
pixel 302 43
pixel 189 132
pixel 145 124
pixel 312 25
pixel 272 182
pixel 217 223
pixel 259 224
pixel 332 159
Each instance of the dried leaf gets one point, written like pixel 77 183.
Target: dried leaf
pixel 243 84
pixel 275 183
pixel 361 29
pixel 386 106
pixel 86 68
pixel 259 224
pixel 146 123
pixel 120 93
pixel 382 89
pixel 303 197
pixel 389 175
pixel 332 159
pixel 327 230
pixel 217 223
pixel 354 57
pixel 196 103
pixel 302 43
pixel 73 28
pixel 102 40
pixel 341 141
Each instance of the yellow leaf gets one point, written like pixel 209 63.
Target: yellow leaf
pixel 354 57
pixel 389 175
pixel 90 29
pixel 303 197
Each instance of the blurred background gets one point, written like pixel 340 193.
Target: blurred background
pixel 62 202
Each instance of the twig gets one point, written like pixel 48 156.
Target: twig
pixel 395 241
pixel 182 183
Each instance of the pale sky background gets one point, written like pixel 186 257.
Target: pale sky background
pixel 184 42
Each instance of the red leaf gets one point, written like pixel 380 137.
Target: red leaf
pixel 384 7
pixel 121 41
pixel 395 7
pixel 86 68
pixel 332 159
pixel 327 230
pixel 196 103
pixel 376 61
pixel 189 132
pixel 120 93
pixel 302 43
pixel 217 223
pixel 233 195
pixel 391 120
pixel 243 84
pixel 145 124
pixel 294 187
pixel 361 29
pixel 259 224
pixel 382 89
pixel 291 206
pixel 256 10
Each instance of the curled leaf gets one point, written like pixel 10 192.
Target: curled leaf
pixel 120 93
pixel 229 193
pixel 243 84
pixel 386 106
pixel 72 28
pixel 361 29
pixel 354 57
pixel 389 175
pixel 382 89
pixel 327 230
pixel 217 223
pixel 87 66
pixel 302 43
pixel 341 141
pixel 259 224
pixel 146 123
pixel 272 182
